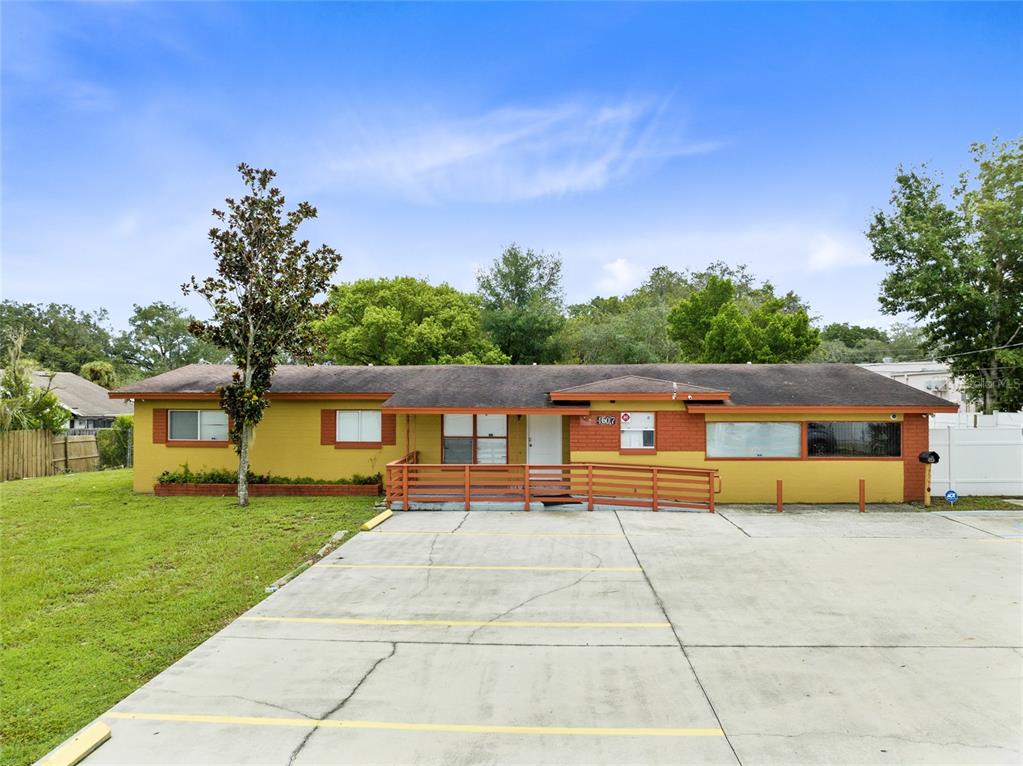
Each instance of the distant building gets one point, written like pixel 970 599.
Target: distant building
pixel 932 377
pixel 89 404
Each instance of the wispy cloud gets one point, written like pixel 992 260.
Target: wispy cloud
pixel 508 154
pixel 837 250
pixel 620 276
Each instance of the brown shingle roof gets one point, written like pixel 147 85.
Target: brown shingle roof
pixel 529 386
pixel 634 384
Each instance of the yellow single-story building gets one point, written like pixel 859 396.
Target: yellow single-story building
pixel 582 433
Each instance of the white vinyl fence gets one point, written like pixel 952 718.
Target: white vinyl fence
pixel 980 454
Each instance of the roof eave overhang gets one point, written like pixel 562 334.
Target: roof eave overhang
pixel 828 408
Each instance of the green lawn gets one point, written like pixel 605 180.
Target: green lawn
pixel 974 503
pixel 102 589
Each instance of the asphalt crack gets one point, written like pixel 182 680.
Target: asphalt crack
pixel 264 703
pixel 305 740
pixel 883 737
pixel 429 570
pixel 678 639
pixel 723 516
pixel 600 563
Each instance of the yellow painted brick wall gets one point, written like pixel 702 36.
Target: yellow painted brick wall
pixel 804 481
pixel 286 443
pixel 426 438
pixel 753 481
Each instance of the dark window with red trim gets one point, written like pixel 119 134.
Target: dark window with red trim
pixel 854 439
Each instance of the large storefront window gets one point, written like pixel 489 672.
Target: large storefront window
pixel 854 439
pixel 475 438
pixel 753 439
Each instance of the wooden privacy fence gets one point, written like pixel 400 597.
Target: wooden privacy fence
pixel 75 454
pixel 24 454
pixel 411 484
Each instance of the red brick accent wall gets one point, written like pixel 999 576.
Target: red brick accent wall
pixel 159 426
pixel 680 432
pixel 673 431
pixel 328 426
pixel 388 428
pixel 915 439
pixel 584 435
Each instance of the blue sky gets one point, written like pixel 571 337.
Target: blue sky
pixel 430 136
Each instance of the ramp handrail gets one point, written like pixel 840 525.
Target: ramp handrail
pixel 520 484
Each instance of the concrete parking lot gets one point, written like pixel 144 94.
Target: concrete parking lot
pixel 633 637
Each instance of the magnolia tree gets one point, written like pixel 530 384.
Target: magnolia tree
pixel 264 299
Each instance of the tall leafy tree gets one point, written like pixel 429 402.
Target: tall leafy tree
pixel 101 373
pixel 523 304
pixel 23 405
pixel 158 340
pixel 718 324
pixel 57 336
pixel 854 343
pixel 405 320
pixel 635 327
pixel 852 335
pixel 264 298
pixel 956 265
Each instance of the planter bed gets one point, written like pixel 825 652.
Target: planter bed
pixel 267 490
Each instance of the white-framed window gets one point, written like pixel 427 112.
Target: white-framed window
pixel 197 425
pixel 637 430
pixel 358 426
pixel 754 439
pixel 475 439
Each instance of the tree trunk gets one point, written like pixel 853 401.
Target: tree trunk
pixel 243 468
pixel 243 452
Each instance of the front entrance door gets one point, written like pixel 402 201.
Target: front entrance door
pixel 543 434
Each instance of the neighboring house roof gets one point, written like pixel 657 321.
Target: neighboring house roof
pixel 527 387
pixel 83 397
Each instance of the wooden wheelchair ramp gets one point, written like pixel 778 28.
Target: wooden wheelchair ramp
pixel 411 485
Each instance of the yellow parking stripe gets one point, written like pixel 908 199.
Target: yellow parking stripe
pixel 481 568
pixel 454 728
pixel 454 623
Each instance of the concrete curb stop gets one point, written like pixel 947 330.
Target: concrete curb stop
pixel 377 520
pixel 78 747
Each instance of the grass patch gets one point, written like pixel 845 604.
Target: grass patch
pixel 102 588
pixel 973 503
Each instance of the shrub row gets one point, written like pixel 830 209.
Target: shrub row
pixel 185 475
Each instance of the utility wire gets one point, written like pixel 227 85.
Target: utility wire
pixel 982 350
